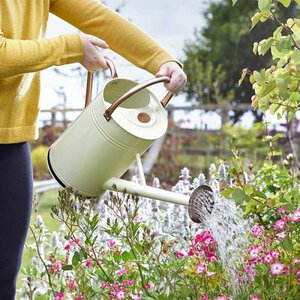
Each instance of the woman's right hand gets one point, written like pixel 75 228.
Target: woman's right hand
pixel 93 60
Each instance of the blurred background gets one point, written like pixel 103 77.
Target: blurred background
pixel 211 116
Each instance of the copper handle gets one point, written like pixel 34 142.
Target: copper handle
pixel 90 77
pixel 136 89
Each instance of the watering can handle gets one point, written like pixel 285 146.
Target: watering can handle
pixel 90 77
pixel 136 89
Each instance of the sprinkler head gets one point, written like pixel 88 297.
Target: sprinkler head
pixel 201 203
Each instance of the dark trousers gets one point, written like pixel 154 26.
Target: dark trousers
pixel 15 209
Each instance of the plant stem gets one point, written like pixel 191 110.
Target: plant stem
pixel 42 260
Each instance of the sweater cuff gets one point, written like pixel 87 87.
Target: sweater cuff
pixel 74 48
pixel 159 60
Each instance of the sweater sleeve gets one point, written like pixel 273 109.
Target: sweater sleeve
pixel 122 36
pixel 24 56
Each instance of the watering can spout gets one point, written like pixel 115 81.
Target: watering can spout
pixel 199 204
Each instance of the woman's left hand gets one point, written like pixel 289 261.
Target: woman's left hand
pixel 175 72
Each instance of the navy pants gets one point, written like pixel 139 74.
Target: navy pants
pixel 16 193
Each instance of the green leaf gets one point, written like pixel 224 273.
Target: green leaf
pixel 67 267
pixel 287 244
pixel 283 43
pixel 266 45
pixel 139 247
pixel 238 195
pixel 285 3
pixel 290 115
pixel 296 57
pixel 259 16
pixel 259 194
pixel 117 257
pixel 125 256
pixel 268 89
pixel 243 75
pixel 226 193
pixel 259 77
pixel 264 5
pixel 76 259
pixel 234 2
pixel 273 108
pixel 248 188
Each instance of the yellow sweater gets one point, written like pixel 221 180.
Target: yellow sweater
pixel 24 51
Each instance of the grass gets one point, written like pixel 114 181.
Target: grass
pixel 44 210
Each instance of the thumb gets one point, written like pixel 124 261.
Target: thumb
pixel 163 71
pixel 98 42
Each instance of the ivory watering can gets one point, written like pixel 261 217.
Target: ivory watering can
pixel 113 130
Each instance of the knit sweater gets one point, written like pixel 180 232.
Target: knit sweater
pixel 24 51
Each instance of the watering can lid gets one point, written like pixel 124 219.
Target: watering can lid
pixel 142 114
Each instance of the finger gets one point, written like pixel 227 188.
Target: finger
pixel 98 42
pixel 176 85
pixel 102 62
pixel 162 72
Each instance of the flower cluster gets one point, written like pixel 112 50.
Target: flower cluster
pixel 273 250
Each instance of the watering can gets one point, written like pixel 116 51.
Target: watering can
pixel 110 134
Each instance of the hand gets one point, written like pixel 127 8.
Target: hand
pixel 93 60
pixel 174 71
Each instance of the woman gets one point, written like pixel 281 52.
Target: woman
pixel 23 53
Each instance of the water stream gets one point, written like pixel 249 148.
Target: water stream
pixel 231 232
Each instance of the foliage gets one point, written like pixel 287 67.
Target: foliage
pixel 277 87
pixel 39 162
pixel 133 262
pixel 221 49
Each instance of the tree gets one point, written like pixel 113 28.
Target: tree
pixel 222 48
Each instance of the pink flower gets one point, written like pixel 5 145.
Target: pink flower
pixel 295 261
pixel 287 269
pixel 111 244
pixel 201 268
pixel 147 285
pixel 204 297
pixel 78 298
pixel 59 296
pixel 121 294
pixel 221 298
pixel 88 263
pixel 295 217
pixel 277 268
pixel 180 254
pixel 279 225
pixel 211 257
pixel 55 267
pixel 298 280
pixel 281 235
pixel 254 251
pixel 207 240
pixel 256 230
pixel 255 298
pixel 68 247
pixel 191 252
pixel 104 284
pixel 275 253
pixel 129 282
pixel 123 271
pixel 268 258
pixel 135 297
pixel 280 211
pixel 298 272
pixel 71 284
pixel 251 271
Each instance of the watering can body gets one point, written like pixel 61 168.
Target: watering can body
pixel 96 148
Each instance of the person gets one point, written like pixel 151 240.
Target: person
pixel 24 51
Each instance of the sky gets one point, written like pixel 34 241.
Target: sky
pixel 170 22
